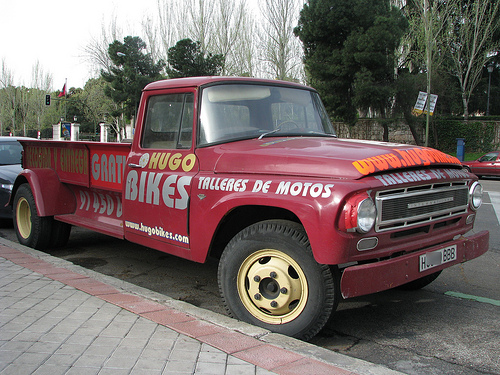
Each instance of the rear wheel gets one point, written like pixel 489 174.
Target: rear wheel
pixel 31 230
pixel 268 277
pixel 60 234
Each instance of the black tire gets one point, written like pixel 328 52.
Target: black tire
pixel 31 230
pixel 60 234
pixel 420 283
pixel 268 277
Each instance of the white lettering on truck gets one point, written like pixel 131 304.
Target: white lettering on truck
pixel 300 188
pixel 108 168
pixel 314 190
pixel 149 188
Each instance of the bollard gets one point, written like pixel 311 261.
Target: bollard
pixel 460 149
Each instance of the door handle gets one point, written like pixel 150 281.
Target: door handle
pixel 133 165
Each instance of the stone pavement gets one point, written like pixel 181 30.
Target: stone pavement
pixel 58 318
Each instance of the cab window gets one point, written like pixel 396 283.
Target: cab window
pixel 169 122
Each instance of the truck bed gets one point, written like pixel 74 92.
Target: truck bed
pixel 92 172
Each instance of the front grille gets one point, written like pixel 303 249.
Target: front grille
pixel 408 207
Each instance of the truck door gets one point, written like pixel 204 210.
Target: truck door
pixel 159 172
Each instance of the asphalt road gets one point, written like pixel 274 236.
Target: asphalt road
pixel 449 327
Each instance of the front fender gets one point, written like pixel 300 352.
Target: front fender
pixel 317 221
pixel 52 197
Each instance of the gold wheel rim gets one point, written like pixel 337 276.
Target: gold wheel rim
pixel 23 218
pixel 272 286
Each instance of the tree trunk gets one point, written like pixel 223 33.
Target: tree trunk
pixel 466 107
pixel 386 132
pixel 410 121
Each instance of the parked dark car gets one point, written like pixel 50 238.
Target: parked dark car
pixel 10 166
pixel 486 165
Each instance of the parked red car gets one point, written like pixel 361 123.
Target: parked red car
pixel 486 165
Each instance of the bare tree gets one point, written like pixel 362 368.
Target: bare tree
pixel 152 39
pixel 96 51
pixel 171 27
pixel 429 25
pixel 7 99
pixel 23 107
pixel 6 76
pixel 245 54
pixel 39 79
pixel 221 27
pixel 182 19
pixel 471 39
pixel 228 32
pixel 226 27
pixel 41 85
pixel 281 49
pixel 199 22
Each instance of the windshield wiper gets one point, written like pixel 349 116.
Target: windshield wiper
pixel 322 134
pixel 269 133
pixel 310 133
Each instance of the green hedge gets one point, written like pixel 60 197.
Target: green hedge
pixel 479 136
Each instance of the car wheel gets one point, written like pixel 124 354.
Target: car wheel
pixel 31 230
pixel 60 234
pixel 268 277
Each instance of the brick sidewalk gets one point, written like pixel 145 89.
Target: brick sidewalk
pixel 57 321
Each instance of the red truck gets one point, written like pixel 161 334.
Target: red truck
pixel 250 171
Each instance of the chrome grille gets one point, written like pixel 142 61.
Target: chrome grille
pixel 407 207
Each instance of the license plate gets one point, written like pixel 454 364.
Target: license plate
pixel 438 257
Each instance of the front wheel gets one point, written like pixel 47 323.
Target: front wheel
pixel 31 230
pixel 268 277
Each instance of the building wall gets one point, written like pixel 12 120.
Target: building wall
pixel 370 129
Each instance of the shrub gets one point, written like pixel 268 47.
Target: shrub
pixel 479 136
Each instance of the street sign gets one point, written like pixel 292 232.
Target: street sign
pixel 422 104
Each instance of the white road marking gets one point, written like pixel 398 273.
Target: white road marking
pixel 495 202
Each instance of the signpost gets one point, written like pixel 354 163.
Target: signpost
pixel 425 106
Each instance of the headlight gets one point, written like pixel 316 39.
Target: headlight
pixel 7 187
pixel 476 195
pixel 366 215
pixel 360 213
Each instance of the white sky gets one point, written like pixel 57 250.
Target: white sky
pixel 55 32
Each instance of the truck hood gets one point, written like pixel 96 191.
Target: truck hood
pixel 324 157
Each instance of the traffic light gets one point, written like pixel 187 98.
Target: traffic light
pixel 47 99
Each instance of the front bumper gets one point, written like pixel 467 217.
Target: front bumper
pixel 375 277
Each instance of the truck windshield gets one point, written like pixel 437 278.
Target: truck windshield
pixel 241 111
